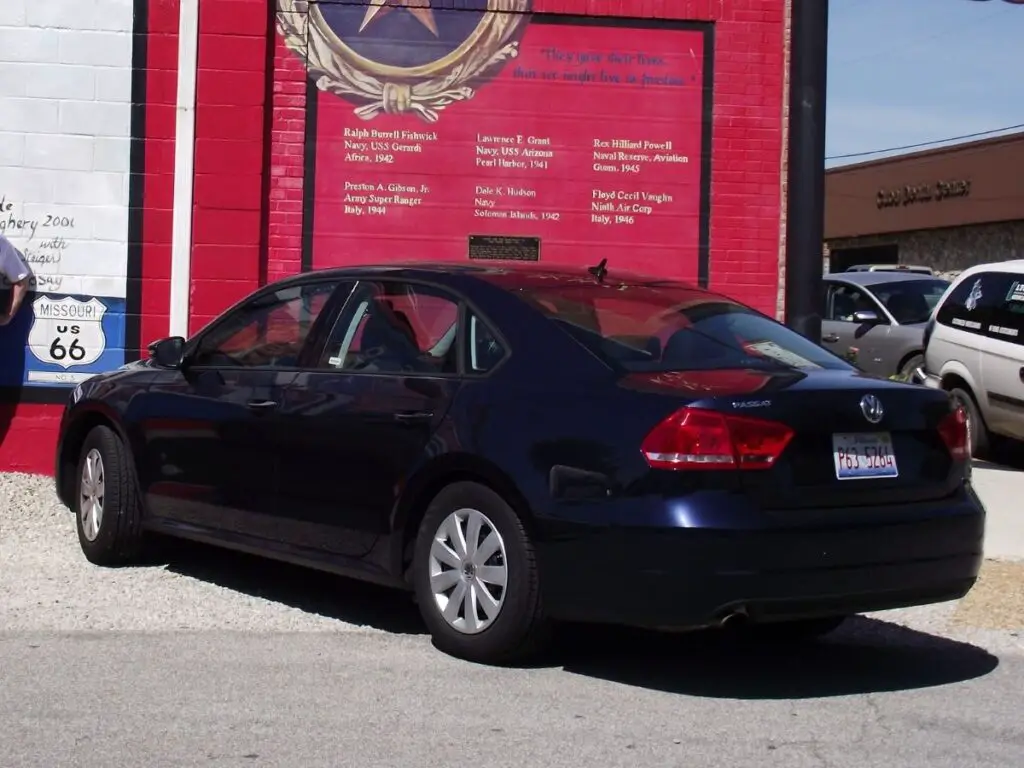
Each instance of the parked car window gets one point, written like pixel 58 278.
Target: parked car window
pixel 270 330
pixel 485 351
pixel 845 300
pixel 910 301
pixel 1007 321
pixel 393 327
pixel 970 305
pixel 669 327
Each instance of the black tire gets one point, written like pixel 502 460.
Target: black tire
pixel 519 631
pixel 119 539
pixel 979 439
pixel 912 363
pixel 798 631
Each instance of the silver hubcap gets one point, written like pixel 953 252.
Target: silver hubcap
pixel 468 571
pixel 92 495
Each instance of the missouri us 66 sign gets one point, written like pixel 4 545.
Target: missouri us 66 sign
pixel 67 332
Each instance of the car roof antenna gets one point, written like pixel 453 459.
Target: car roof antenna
pixel 599 271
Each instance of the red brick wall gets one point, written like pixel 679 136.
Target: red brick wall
pixel 228 203
pixel 250 144
pixel 287 145
pixel 158 191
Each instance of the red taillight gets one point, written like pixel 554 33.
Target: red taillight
pixel 694 438
pixel 953 430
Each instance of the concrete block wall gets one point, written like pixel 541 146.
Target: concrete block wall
pixel 76 79
pixel 65 129
pixel 65 104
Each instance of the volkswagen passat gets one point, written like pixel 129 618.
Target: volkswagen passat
pixel 524 445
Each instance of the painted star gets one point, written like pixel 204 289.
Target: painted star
pixel 420 9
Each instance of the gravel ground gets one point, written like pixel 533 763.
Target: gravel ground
pixel 47 585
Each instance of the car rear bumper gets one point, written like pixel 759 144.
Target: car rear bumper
pixel 685 577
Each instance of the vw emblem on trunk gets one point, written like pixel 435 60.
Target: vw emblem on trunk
pixel 872 408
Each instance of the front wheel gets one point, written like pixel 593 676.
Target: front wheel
pixel 909 368
pixel 107 506
pixel 475 577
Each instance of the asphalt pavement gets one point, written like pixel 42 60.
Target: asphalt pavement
pixel 883 697
pixel 221 660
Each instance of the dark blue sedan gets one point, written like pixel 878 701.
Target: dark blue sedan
pixel 524 445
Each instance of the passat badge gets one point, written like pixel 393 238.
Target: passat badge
pixel 872 408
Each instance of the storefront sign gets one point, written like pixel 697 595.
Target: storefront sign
pixel 923 193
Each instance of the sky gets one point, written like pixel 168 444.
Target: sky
pixel 907 71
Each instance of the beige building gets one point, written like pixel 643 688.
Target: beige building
pixel 947 208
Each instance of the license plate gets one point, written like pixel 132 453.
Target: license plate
pixel 861 455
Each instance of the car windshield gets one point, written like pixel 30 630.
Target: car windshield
pixel 669 327
pixel 910 301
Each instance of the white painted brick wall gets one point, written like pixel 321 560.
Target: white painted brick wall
pixel 65 139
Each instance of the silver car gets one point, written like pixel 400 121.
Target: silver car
pixel 876 320
pixel 921 270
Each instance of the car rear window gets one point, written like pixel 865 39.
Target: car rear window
pixel 673 328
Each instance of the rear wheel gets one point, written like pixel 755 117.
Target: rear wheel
pixel 911 364
pixel 475 577
pixel 977 433
pixel 107 508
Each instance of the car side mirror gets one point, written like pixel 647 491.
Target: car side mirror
pixel 169 352
pixel 866 317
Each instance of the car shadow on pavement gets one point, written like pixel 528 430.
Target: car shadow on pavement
pixel 314 592
pixel 864 656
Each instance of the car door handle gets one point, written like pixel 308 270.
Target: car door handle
pixel 261 405
pixel 409 417
pixel 830 339
pixel 1021 374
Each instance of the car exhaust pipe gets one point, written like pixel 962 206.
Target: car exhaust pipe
pixel 733 620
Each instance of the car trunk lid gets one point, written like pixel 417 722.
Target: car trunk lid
pixel 857 440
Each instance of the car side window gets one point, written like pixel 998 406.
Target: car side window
pixel 1007 321
pixel 970 305
pixel 269 330
pixel 485 351
pixel 395 327
pixel 846 300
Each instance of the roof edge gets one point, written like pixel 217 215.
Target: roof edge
pixel 948 149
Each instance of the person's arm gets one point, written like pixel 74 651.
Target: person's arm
pixel 18 291
pixel 18 273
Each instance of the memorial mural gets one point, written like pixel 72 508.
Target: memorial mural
pixel 487 132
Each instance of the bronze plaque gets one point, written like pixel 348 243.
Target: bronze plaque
pixel 504 248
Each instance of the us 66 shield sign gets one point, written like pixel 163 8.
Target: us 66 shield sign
pixel 67 332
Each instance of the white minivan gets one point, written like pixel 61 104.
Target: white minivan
pixel 974 349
